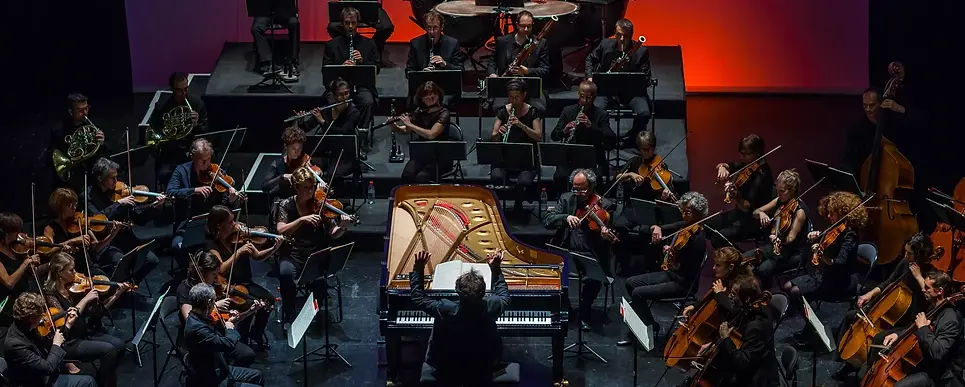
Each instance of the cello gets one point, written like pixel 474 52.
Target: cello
pixel 883 172
pixel 704 362
pixel 950 261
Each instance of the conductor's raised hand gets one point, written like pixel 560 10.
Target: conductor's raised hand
pixel 421 258
pixel 495 259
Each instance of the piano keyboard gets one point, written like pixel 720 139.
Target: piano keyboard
pixel 510 318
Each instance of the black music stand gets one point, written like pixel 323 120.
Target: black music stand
pixel 621 84
pixel 586 267
pixel 368 11
pixel 222 137
pixel 569 156
pixel 506 155
pixel 438 152
pixel 135 253
pixel 272 82
pixel 822 342
pixel 150 324
pixel 835 178
pixel 947 214
pixel 357 75
pixel 347 144
pixel 449 80
pixel 319 266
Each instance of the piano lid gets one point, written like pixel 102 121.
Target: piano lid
pixel 459 222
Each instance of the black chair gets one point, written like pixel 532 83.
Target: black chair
pixel 455 133
pixel 779 303
pixel 787 365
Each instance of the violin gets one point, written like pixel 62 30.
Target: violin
pixel 322 204
pixel 782 223
pixel 594 211
pixel 827 239
pixel 302 161
pixel 680 239
pixel 23 245
pixel 257 235
pixel 213 174
pixel 657 173
pixel 237 294
pixel 96 223
pixel 49 322
pixel 101 283
pixel 744 174
pixel 140 192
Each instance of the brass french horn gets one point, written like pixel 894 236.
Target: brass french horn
pixel 177 125
pixel 81 146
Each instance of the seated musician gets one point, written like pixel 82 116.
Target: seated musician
pixel 236 267
pixel 343 120
pixel 83 342
pixel 583 123
pixel 298 219
pixel 28 364
pixel 907 272
pixel 858 143
pixel 63 204
pixel 263 14
pixel 683 267
pixel 205 268
pixel 517 122
pixel 940 340
pixel 364 52
pixel 465 347
pixel 434 50
pixel 195 198
pixel 832 277
pixel 100 201
pixel 430 123
pixel 601 60
pixel 171 153
pixel 738 223
pixel 632 180
pixel 15 269
pixel 206 345
pixel 383 30
pixel 537 65
pixel 78 109
pixel 729 265
pixel 577 235
pixel 277 182
pixel 792 248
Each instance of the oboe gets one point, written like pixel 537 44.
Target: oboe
pixel 351 48
pixel 512 113
pixel 576 122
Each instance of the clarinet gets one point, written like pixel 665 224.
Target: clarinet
pixel 351 48
pixel 512 113
pixel 569 137
pixel 431 54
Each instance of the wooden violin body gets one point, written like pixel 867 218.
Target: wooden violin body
pixel 47 326
pixel 594 211
pixel 23 245
pixel 891 307
pixel 214 171
pixel 680 240
pixel 657 173
pixel 830 236
pixel 951 258
pixel 141 193
pixel 741 178
pixel 782 223
pixel 97 223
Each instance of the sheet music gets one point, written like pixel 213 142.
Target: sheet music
pixel 446 273
pixel 640 330
pixel 140 332
pixel 818 326
pixel 302 321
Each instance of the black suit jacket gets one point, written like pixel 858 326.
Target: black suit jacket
pixel 336 52
pixel 507 49
pixel 27 365
pixel 602 57
pixel 754 364
pixel 206 347
pixel 181 188
pixel 943 348
pixel 447 47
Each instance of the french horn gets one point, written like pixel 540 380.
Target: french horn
pixel 177 125
pixel 81 146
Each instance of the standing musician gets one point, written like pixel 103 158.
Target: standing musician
pixel 63 204
pixel 14 268
pixel 579 235
pixel 28 364
pixel 583 123
pixel 858 143
pixel 383 30
pixel 517 122
pixel 298 218
pixel 205 363
pixel 832 276
pixel 264 13
pixel 100 201
pixel 235 257
pixel 784 251
pixel 907 272
pixel 82 342
pixel 434 50
pixel 674 281
pixel 602 59
pixel 465 329
pixel 939 338
pixel 430 122
pixel 205 268
pixel 173 152
pixel 738 224
pixel 77 116
pixel 186 185
pixel 354 49
pixel 537 65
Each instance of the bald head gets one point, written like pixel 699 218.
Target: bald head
pixel 587 93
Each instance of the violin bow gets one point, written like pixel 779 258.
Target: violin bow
pixel 737 172
pixel 217 173
pixel 695 224
pixel 324 202
pixel 84 232
pixel 194 260
pixel 845 217
pixel 130 177
pixel 936 192
pixel 33 269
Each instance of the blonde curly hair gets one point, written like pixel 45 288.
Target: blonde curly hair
pixel 790 179
pixel 839 203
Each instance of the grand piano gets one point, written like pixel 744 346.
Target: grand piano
pixel 459 222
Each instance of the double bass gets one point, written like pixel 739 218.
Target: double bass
pixel 883 172
pixel 952 240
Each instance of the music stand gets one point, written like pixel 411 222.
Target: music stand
pixel 449 80
pixel 318 267
pixel 438 152
pixel 506 155
pixel 947 214
pixel 298 328
pixel 272 81
pixel 335 143
pixel 150 323
pixel 357 75
pixel 135 253
pixel 368 11
pixel 835 178
pixel 640 331
pixel 620 85
pixel 223 136
pixel 586 267
pixel 653 212
pixel 822 339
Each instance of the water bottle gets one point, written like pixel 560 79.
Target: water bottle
pixel 543 198
pixel 620 194
pixel 371 192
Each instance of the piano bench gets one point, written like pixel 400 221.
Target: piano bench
pixel 509 375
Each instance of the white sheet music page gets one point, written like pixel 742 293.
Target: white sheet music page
pixel 642 331
pixel 303 321
pixel 818 326
pixel 444 277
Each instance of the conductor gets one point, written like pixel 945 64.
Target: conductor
pixel 464 329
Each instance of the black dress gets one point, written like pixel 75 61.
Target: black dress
pixel 422 170
pixel 526 177
pixel 293 255
pixel 241 275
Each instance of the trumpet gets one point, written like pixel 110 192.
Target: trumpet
pixel 569 137
pixel 512 113
pixel 81 146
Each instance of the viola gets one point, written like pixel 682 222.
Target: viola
pixel 101 283
pixel 23 245
pixel 322 204
pixel 140 192
pixel 782 223
pixel 213 174
pixel 257 235
pixel 744 174
pixel 827 240
pixel 594 211
pixel 97 223
pixel 679 241
pixel 658 175
pixel 238 294
pixel 952 257
pixel 49 322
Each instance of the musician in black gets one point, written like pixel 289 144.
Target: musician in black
pixel 429 123
pixel 907 272
pixel 364 52
pixel 264 13
pixel 754 362
pixel 683 267
pixel 444 49
pixel 793 247
pixel 601 60
pixel 517 122
pixel 344 119
pixel 575 233
pixel 383 30
pixel 15 269
pixel 63 204
pixel 634 180
pixel 939 332
pixel 859 141
pixel 298 218
pixel 583 123
pixel 78 110
pixel 173 152
pixel 465 329
pixel 508 48
pixel 99 201
pixel 738 223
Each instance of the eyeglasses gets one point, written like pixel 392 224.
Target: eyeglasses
pixel 579 190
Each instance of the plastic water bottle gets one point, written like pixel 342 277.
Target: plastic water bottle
pixel 620 194
pixel 543 198
pixel 371 193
